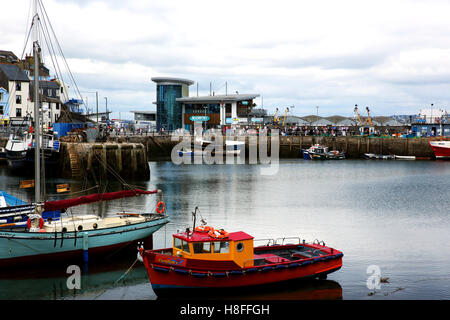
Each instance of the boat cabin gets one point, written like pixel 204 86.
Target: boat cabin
pixel 235 246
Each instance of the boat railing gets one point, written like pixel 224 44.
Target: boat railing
pixel 287 238
pixel 269 242
pixel 319 242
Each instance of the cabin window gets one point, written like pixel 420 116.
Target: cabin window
pixel 178 244
pixel 186 246
pixel 223 247
pixel 239 246
pixel 217 247
pixel 202 247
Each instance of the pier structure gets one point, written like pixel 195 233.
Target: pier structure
pixel 104 160
pixel 290 146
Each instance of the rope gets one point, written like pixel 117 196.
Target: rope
pixel 126 272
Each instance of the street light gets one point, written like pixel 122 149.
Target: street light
pixel 317 111
pixel 107 116
pixel 205 107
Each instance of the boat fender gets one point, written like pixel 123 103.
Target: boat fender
pixel 236 272
pixel 181 271
pixel 266 269
pixel 250 270
pixel 160 207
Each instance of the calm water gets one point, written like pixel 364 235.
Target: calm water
pixel 392 214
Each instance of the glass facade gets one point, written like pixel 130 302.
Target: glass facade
pixel 200 108
pixel 168 110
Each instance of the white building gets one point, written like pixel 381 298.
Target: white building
pixel 17 83
pixel 432 115
pixel 145 120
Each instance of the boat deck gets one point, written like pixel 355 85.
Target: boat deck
pixel 270 256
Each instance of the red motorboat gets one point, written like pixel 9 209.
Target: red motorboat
pixel 211 258
pixel 441 148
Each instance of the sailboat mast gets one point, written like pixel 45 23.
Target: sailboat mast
pixel 37 125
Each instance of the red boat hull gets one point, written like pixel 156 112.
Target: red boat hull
pixel 441 148
pixel 176 277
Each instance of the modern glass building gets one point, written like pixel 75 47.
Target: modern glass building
pixel 168 109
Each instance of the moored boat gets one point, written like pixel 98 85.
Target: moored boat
pixel 209 258
pixel 318 152
pixel 373 156
pixel 77 236
pixel 441 148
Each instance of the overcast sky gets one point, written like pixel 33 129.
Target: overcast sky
pixel 393 56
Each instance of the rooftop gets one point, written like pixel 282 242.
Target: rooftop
pixel 198 236
pixel 219 98
pixel 13 72
pixel 170 80
pixel 145 112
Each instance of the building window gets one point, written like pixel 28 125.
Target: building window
pixel 1 96
pixel 18 86
pixel 18 99
pixel 1 110
pixel 18 112
pixel 57 106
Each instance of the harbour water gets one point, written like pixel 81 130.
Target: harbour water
pixel 391 216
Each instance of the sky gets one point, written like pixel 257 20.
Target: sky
pixel 393 56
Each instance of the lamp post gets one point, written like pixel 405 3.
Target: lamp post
pixel 205 107
pixel 107 117
pixel 317 111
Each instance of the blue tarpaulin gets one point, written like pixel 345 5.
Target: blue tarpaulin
pixel 11 200
pixel 63 128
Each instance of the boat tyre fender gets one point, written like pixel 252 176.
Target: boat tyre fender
pixel 160 207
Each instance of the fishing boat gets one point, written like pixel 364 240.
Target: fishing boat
pixel 206 257
pixel 76 236
pixel 441 148
pixel 20 149
pixel 319 152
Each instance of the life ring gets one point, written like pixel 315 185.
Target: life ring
pixel 41 223
pixel 160 209
pixel 204 229
pixel 218 234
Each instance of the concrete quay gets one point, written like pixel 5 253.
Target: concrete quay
pixel 353 146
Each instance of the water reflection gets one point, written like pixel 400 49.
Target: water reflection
pixel 292 290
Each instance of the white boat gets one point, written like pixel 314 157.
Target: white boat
pixel 405 157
